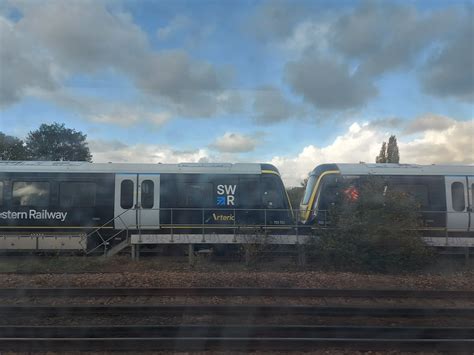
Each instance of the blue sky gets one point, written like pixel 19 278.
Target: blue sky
pixel 295 83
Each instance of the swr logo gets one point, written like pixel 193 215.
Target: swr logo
pixel 226 195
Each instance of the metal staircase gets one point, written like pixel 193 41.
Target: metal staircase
pixel 117 248
pixel 107 241
pixel 105 244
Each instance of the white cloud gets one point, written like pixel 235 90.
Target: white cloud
pixel 327 83
pixel 55 40
pixel 275 19
pixel 83 36
pixel 236 142
pixel 429 122
pixel 124 114
pixel 176 25
pixel 20 68
pixel 104 151
pixel 361 142
pixel 306 35
pixel 270 106
pixel 350 47
pixel 453 145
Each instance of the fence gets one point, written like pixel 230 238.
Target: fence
pixel 223 225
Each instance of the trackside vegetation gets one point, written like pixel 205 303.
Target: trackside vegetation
pixel 377 232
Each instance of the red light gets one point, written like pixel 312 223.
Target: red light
pixel 352 194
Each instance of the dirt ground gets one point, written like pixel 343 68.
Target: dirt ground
pixel 121 271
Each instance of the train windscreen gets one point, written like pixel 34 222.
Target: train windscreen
pixel 309 189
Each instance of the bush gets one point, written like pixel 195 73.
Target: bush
pixel 256 245
pixel 377 232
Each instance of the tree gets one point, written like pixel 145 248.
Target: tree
pixel 389 152
pixel 382 157
pixel 296 193
pixel 304 183
pixel 12 148
pixel 378 231
pixel 56 142
pixel 393 156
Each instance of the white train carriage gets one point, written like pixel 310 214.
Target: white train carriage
pixel 52 205
pixel 445 192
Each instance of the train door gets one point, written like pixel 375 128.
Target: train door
pixel 470 192
pixel 125 201
pixel 149 201
pixel 137 201
pixel 457 204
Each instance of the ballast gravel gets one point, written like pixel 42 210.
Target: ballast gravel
pixel 308 279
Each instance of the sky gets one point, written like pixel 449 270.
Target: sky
pixel 292 83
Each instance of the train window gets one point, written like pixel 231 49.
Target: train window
pixel 30 193
pixel 148 193
pixel 330 195
pixel 77 194
pixel 309 189
pixel 249 194
pixel 126 194
pixel 330 191
pixel 457 195
pixel 417 192
pixel 168 192
pixel 271 194
pixel 195 195
pixel 1 193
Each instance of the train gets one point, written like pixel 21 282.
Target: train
pixel 444 193
pixel 63 205
pixel 54 205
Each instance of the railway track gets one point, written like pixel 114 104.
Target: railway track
pixel 18 334
pixel 229 344
pixel 236 331
pixel 241 310
pixel 188 338
pixel 233 291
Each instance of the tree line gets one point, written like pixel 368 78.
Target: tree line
pixel 50 142
pixel 389 152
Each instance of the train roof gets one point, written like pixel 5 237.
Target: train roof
pixel 86 167
pixel 396 169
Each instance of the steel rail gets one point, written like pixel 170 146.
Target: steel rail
pixel 231 291
pixel 226 344
pixel 34 310
pixel 239 331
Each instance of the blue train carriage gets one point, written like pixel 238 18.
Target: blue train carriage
pixel 444 192
pixel 54 205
